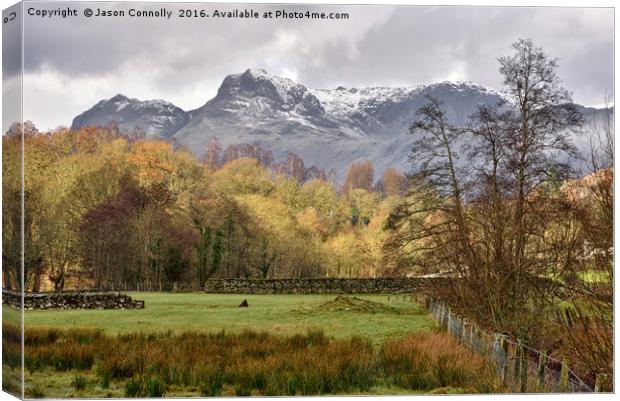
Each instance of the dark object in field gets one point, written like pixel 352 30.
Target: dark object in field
pixel 244 304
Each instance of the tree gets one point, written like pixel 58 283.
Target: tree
pixel 156 260
pixel 588 325
pixel 217 253
pixel 174 265
pixel 231 153
pixel 491 219
pixel 212 157
pixel 266 259
pixel 242 176
pixel 543 114
pixel 203 250
pixel 392 182
pixel 322 196
pixel 363 205
pixel 360 175
pixel 295 167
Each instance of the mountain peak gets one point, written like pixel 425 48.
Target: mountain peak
pixel 120 97
pixel 465 86
pixel 239 90
pixel 156 118
pixel 256 72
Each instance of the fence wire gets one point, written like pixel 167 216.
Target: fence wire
pixel 521 368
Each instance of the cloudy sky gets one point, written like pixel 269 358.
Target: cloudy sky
pixel 72 63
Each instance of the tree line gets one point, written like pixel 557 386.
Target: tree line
pixel 112 211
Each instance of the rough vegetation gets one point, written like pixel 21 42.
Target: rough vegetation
pixel 344 303
pixel 249 363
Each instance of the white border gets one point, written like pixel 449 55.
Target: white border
pixel 521 3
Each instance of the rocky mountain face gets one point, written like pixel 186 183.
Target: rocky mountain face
pixel 328 128
pixel 153 118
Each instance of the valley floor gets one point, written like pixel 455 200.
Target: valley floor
pixel 276 314
pixel 196 344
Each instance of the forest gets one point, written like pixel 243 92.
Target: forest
pixel 112 211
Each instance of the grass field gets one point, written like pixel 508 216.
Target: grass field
pixel 277 314
pixel 196 344
pixel 87 363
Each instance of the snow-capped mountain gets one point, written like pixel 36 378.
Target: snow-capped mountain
pixel 328 128
pixel 155 118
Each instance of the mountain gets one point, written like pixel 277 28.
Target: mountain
pixel 155 118
pixel 328 128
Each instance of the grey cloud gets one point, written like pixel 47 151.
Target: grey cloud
pixel 379 45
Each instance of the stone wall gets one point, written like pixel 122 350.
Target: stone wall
pixel 322 286
pixel 71 300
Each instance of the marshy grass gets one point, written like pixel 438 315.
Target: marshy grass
pixel 257 363
pixel 79 383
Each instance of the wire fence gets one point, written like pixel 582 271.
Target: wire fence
pixel 521 368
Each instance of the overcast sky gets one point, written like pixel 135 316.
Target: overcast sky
pixel 72 63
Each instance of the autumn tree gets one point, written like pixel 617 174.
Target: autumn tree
pixel 294 166
pixel 360 175
pixel 203 251
pixel 231 153
pixel 212 156
pixel 266 260
pixel 242 176
pixel 392 182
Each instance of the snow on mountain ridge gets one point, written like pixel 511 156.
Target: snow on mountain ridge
pixel 155 118
pixel 327 128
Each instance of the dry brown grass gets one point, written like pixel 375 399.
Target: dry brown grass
pixel 252 363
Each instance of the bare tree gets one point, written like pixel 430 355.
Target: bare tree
pixel 489 213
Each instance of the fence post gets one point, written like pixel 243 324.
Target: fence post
pixel 441 314
pixel 540 374
pixel 522 365
pixel 485 342
pixel 484 346
pixel 463 333
pixel 602 383
pixel 516 363
pixel 563 387
pixel 503 360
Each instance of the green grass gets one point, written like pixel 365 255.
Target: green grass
pixel 277 314
pixel 11 315
pixel 54 384
pixel 174 367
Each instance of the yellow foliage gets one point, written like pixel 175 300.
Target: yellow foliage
pixel 152 159
pixel 243 176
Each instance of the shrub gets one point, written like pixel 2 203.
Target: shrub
pixel 78 383
pixel 104 380
pixel 155 387
pixel 211 383
pixel 133 388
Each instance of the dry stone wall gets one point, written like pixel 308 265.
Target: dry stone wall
pixel 72 300
pixel 321 286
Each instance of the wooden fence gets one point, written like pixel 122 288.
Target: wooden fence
pixel 521 368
